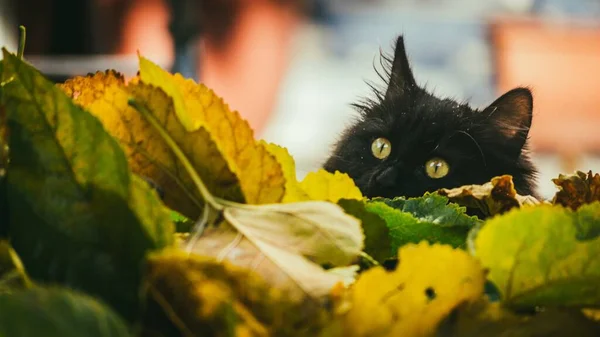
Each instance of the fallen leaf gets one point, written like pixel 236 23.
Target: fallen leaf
pixel 196 106
pixel 429 282
pixel 323 185
pixel 495 197
pixel 378 243
pixel 156 160
pixel 538 256
pixel 287 244
pixel 199 296
pixel 293 192
pixel 57 312
pixel 78 215
pixel 577 189
pixel 85 90
pixel 12 272
pixel 320 231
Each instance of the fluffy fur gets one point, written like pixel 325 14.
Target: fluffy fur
pixel 477 144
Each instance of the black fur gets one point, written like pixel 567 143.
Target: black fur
pixel 477 144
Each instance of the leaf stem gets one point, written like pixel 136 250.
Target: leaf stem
pixel 208 197
pixel 22 37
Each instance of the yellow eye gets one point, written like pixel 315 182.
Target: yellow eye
pixel 381 148
pixel 436 168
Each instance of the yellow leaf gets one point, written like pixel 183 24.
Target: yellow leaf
pixel 323 185
pixel 429 282
pixel 293 192
pixel 196 106
pixel 201 296
pixel 85 90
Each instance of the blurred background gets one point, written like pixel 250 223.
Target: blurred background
pixel 293 67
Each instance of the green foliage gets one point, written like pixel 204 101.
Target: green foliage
pixel 544 256
pixel 430 218
pixel 77 215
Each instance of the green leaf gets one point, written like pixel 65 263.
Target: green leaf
pixel 433 208
pixel 79 217
pixel 56 312
pixel 543 256
pixel 12 272
pixel 428 218
pixel 377 234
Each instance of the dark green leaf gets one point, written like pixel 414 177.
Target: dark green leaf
pixel 428 218
pixel 56 312
pixel 78 215
pixel 433 208
pixel 377 234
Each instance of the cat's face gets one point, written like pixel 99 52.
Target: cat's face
pixel 408 141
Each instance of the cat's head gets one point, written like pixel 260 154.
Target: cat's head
pixel 407 141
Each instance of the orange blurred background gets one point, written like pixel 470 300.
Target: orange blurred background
pixel 293 67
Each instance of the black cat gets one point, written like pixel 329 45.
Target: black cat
pixel 407 141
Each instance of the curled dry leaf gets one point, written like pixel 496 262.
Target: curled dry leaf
pixel 429 283
pixel 577 189
pixel 492 198
pixel 199 296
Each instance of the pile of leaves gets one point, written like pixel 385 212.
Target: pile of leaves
pixel 146 207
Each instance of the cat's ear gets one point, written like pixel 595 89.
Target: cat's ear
pixel 401 77
pixel 511 116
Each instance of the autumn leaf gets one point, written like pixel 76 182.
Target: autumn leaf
pixel 288 243
pixel 543 256
pixel 320 231
pixel 293 191
pixel 85 90
pixel 323 185
pixel 577 189
pixel 78 215
pixel 12 272
pixel 429 282
pixel 197 295
pixel 378 243
pixel 429 218
pixel 495 197
pixel 196 106
pixel 57 312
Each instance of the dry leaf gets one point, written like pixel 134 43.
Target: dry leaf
pixel 577 189
pixel 495 197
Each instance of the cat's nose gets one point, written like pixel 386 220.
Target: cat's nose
pixel 387 177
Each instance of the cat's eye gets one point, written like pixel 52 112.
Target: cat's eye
pixel 437 168
pixel 381 148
